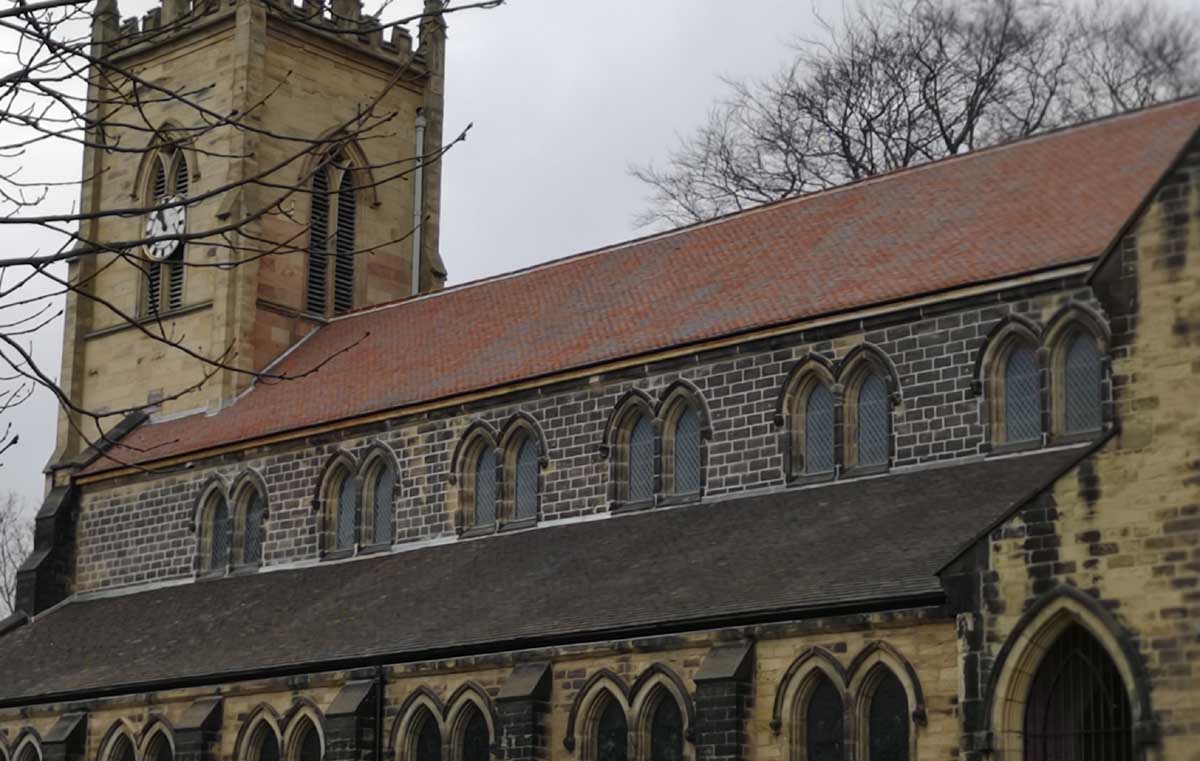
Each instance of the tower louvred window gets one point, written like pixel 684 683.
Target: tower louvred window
pixel 343 292
pixel 318 236
pixel 332 247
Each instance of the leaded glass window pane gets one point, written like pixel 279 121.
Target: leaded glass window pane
pixel 527 480
pixel 218 545
pixel 823 733
pixel 252 531
pixel 612 737
pixel 268 746
pixel 310 745
pixel 873 413
pixel 476 745
pixel 429 741
pixel 641 460
pixel 687 452
pixel 1078 709
pixel 346 508
pixel 383 492
pixel 888 721
pixel 666 732
pixel 818 430
pixel 485 487
pixel 1081 386
pixel 1022 396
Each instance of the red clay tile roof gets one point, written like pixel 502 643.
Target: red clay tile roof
pixel 1052 200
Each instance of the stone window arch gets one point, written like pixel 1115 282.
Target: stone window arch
pixel 869 392
pixel 1010 375
pixel 249 525
pixel 1077 346
pixel 214 546
pixel 262 740
pixel 471 727
pixel 888 704
pixel 418 732
pixel 887 730
pixel 476 471
pixel 118 744
pixel 522 457
pixel 662 717
pixel 608 735
pixel 808 410
pixel 338 506
pixel 379 477
pixel 1068 634
pixel 27 748
pixel 598 725
pixel 305 737
pixel 631 444
pixel 810 713
pixel 158 743
pixel 685 427
pixel 331 272
pixel 167 178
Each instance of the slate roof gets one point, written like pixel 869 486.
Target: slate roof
pixel 872 542
pixel 1052 200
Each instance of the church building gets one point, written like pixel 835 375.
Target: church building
pixel 904 470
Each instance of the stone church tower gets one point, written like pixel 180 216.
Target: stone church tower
pixel 257 120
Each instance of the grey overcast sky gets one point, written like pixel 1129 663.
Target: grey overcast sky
pixel 564 96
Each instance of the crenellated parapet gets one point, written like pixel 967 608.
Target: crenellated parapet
pixel 342 20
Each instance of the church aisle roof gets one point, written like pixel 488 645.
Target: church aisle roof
pixel 854 545
pixel 1048 201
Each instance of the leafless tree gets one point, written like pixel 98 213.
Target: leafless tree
pixel 901 82
pixel 16 539
pixel 63 89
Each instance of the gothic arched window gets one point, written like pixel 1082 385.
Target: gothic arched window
pixel 121 750
pixel 476 744
pixel 382 484
pixel 819 432
pixel 264 745
pixel 525 473
pixel 347 513
pixel 888 720
pixel 824 735
pixel 160 749
pixel 873 422
pixel 1077 708
pixel 612 734
pixel 640 459
pixel 333 213
pixel 163 289
pixel 428 745
pixel 685 448
pixel 1022 396
pixel 1082 378
pixel 215 544
pixel 666 731
pixel 308 744
pixel 485 487
pixel 253 513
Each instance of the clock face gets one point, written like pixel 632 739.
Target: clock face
pixel 162 222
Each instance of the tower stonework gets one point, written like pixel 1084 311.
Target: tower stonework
pixel 241 102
